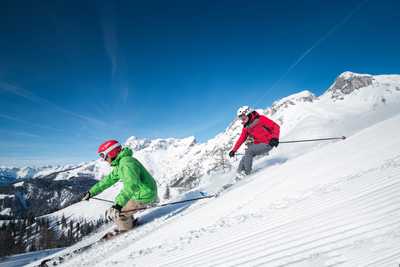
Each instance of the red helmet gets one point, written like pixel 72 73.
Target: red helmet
pixel 110 148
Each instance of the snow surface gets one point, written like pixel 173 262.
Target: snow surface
pixel 18 184
pixel 321 204
pixel 6 211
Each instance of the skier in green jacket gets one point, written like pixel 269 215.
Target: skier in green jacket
pixel 139 187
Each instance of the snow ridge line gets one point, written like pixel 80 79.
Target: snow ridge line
pixel 366 195
pixel 296 236
pixel 386 260
pixel 359 197
pixel 344 179
pixel 252 250
pixel 280 237
pixel 318 246
pixel 389 163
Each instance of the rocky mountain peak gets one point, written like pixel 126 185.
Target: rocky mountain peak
pixel 137 144
pixel 348 82
pixel 301 97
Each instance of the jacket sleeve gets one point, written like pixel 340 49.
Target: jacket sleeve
pixel 240 141
pixel 105 183
pixel 271 126
pixel 130 176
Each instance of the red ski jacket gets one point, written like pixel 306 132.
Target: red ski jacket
pixel 260 128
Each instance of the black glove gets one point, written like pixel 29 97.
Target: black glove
pixel 274 142
pixel 87 196
pixel 232 154
pixel 117 207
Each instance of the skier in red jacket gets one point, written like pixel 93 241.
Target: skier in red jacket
pixel 261 133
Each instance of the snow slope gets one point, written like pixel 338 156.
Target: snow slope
pixel 338 205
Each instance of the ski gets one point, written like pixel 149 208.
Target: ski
pixel 56 260
pixel 60 259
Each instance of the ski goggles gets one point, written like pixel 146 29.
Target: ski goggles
pixel 103 154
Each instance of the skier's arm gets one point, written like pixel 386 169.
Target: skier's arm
pixel 130 177
pixel 271 126
pixel 240 141
pixel 105 183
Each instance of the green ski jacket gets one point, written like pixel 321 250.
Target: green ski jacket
pixel 139 185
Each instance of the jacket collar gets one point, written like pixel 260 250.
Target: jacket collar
pixel 253 119
pixel 125 152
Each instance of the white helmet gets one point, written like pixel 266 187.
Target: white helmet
pixel 245 110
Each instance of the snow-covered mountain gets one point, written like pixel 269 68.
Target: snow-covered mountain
pixel 38 191
pixel 13 174
pixel 10 174
pixel 352 103
pixel 320 204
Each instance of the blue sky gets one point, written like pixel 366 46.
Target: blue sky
pixel 75 73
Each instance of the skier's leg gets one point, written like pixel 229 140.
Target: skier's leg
pixel 261 149
pixel 241 165
pixel 125 220
pixel 252 151
pixel 248 159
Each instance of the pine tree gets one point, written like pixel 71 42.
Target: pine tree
pixel 167 193
pixel 70 233
pixel 19 246
pixel 52 239
pixel 11 228
pixel 42 235
pixel 6 240
pixel 63 240
pixel 78 230
pixel 31 219
pixel 29 232
pixel 71 227
pixel 63 222
pixel 33 246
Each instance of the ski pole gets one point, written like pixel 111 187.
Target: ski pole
pixel 169 203
pixel 304 140
pixel 312 140
pixel 102 199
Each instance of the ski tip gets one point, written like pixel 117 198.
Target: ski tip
pixel 207 195
pixel 343 137
pixel 44 262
